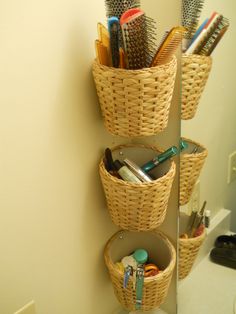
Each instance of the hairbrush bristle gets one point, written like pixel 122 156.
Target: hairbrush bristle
pixel 215 37
pixel 118 7
pixel 139 36
pixel 191 11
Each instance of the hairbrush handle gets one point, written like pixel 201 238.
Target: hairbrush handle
pixel 113 29
pixel 130 14
pixel 196 46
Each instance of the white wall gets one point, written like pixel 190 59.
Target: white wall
pixel 54 222
pixel 215 121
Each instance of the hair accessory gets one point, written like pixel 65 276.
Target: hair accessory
pixel 118 7
pixel 215 37
pixel 139 36
pixel 170 152
pixel 183 145
pixel 113 29
pixel 101 53
pixel 103 34
pixel 207 31
pixel 198 31
pixel 191 11
pixel 169 46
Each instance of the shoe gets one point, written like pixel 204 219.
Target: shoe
pixel 226 241
pixel 224 256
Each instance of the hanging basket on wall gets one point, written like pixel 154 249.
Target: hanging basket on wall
pixel 188 251
pixel 195 73
pixel 191 164
pixel 161 252
pixel 135 103
pixel 138 207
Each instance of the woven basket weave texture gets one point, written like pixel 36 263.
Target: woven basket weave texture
pixel 135 103
pixel 137 207
pixel 190 169
pixel 155 288
pixel 188 250
pixel 195 72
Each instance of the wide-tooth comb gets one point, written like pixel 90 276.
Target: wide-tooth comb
pixel 215 38
pixel 191 12
pixel 118 7
pixel 169 46
pixel 139 37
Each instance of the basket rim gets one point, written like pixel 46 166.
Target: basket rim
pixel 196 56
pixel 172 167
pixel 203 153
pixel 136 71
pixel 111 266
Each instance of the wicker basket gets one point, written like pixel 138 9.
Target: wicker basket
pixel 135 103
pixel 190 169
pixel 138 207
pixel 195 72
pixel 160 251
pixel 188 250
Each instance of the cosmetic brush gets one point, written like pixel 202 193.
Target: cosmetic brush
pixel 215 38
pixel 139 37
pixel 191 12
pixel 113 29
pixel 169 46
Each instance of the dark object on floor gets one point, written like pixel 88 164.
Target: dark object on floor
pixel 226 241
pixel 224 256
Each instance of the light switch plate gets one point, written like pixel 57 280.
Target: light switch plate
pixel 27 309
pixel 232 167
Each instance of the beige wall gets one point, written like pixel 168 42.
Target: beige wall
pixel 54 221
pixel 215 121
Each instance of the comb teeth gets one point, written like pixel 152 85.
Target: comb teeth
pixel 118 7
pixel 139 36
pixel 216 36
pixel 191 11
pixel 168 47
